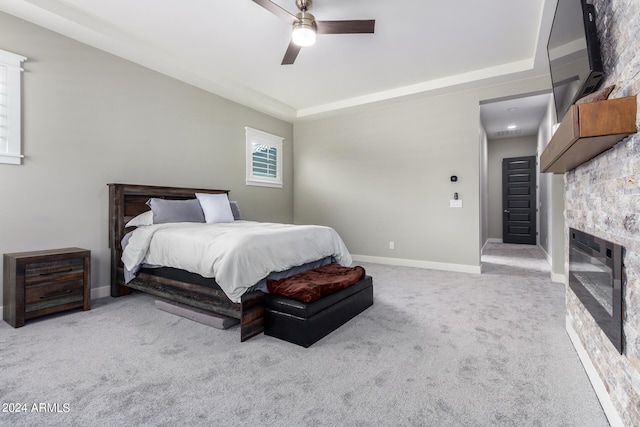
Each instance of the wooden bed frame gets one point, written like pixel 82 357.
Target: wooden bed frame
pixel 125 202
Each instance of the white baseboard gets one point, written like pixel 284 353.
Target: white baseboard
pixel 598 386
pixel 555 277
pixel 489 240
pixel 101 292
pixel 459 268
pixel 545 253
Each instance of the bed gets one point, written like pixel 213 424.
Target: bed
pixel 126 202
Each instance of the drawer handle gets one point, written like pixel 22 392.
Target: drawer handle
pixel 57 272
pixel 55 294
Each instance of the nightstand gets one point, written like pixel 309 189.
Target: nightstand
pixel 45 282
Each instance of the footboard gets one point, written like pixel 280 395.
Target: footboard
pixel 251 315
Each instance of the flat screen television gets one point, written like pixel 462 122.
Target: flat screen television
pixel 574 54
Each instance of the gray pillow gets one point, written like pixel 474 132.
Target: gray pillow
pixel 235 210
pixel 165 211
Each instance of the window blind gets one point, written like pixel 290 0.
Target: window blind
pixel 10 107
pixel 263 158
pixel 265 161
pixel 4 146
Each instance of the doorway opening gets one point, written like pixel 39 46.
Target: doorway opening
pixel 533 117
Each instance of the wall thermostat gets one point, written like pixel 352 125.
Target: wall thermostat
pixel 454 178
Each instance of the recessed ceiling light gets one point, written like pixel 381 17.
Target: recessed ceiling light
pixel 511 127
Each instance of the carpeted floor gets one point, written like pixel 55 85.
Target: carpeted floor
pixel 436 349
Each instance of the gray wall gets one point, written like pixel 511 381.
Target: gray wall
pixel 90 118
pixel 383 175
pixel 544 180
pixel 499 149
pixel 484 189
pixel 551 204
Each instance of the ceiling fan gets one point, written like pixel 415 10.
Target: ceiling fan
pixel 305 26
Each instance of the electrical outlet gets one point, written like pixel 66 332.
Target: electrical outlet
pixel 455 203
pixel 392 245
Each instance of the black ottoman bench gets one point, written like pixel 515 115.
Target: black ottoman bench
pixel 305 323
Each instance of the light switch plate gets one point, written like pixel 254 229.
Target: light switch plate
pixel 455 203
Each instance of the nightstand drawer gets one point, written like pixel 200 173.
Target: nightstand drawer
pixel 53 271
pixel 47 295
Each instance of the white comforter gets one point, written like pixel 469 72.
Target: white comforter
pixel 237 254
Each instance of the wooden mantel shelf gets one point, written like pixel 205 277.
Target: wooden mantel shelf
pixel 586 131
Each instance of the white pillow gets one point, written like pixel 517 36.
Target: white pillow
pixel 216 207
pixel 145 218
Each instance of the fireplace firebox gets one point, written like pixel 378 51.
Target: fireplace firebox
pixel 597 277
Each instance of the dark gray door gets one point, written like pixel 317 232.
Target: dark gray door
pixel 519 200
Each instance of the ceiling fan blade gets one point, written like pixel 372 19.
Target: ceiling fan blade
pixel 291 54
pixel 345 27
pixel 277 10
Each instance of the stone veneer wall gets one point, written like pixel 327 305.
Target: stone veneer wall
pixel 602 197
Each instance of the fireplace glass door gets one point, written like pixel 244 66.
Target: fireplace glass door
pixel 596 276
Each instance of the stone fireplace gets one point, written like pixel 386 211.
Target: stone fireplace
pixel 602 198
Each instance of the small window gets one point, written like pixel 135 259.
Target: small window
pixel 10 94
pixel 264 158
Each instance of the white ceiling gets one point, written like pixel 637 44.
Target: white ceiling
pixel 515 116
pixel 234 47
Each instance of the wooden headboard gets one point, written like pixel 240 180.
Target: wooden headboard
pixel 125 202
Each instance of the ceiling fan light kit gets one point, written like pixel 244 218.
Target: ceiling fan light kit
pixel 305 26
pixel 304 31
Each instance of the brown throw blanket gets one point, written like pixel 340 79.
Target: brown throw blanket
pixel 314 284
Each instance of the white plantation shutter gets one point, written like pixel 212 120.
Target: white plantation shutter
pixel 264 158
pixel 265 161
pixel 4 146
pixel 10 107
